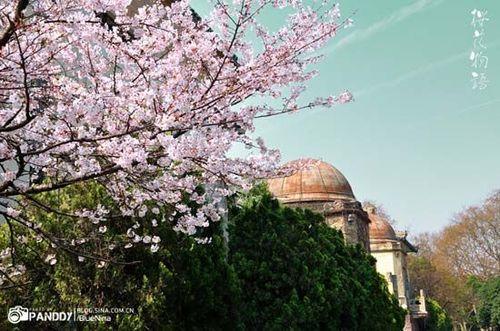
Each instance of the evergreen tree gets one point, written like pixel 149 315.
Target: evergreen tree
pixel 182 286
pixel 281 269
pixel 487 294
pixel 297 273
pixel 438 319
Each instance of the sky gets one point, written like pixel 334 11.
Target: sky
pixel 418 139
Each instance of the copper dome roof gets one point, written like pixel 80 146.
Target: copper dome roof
pixel 319 182
pixel 380 228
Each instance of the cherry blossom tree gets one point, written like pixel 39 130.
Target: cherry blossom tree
pixel 146 104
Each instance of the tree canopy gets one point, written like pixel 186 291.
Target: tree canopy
pixel 438 319
pixel 148 101
pixel 282 268
pixel 296 272
pixel 468 248
pixel 181 285
pixel 488 302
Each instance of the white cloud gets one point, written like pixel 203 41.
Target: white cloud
pixel 411 74
pixel 479 105
pixel 418 71
pixel 378 26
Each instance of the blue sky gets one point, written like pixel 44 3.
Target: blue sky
pixel 418 139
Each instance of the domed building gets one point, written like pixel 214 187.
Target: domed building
pixel 324 189
pixel 390 248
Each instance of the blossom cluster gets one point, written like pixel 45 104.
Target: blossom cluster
pixel 147 103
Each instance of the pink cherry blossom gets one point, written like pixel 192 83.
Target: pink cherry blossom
pixel 149 104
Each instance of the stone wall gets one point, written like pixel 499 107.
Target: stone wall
pixel 344 215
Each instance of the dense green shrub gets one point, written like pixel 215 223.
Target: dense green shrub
pixel 438 319
pixel 282 269
pixel 297 273
pixel 184 285
pixel 487 293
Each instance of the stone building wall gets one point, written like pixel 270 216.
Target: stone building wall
pixel 344 215
pixel 391 262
